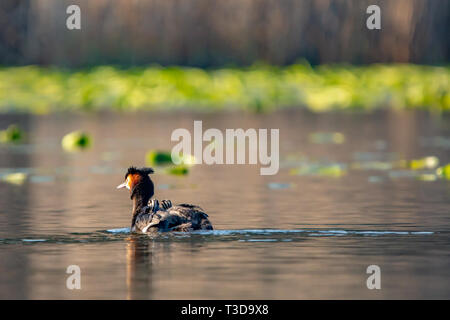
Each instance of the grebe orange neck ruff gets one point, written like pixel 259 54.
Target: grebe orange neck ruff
pixel 141 189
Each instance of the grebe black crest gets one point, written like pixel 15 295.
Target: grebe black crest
pixel 151 215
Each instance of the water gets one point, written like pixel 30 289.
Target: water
pixel 310 234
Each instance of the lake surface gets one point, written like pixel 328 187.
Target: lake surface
pixel 335 207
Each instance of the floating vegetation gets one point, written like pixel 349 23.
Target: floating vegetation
pixel 187 159
pixel 255 88
pixel 379 165
pixel 427 177
pixel 180 170
pixel 444 172
pixel 13 134
pixel 421 169
pixel 335 170
pixel 157 157
pixel 375 165
pixel 424 163
pixel 16 178
pixel 316 169
pixel 76 141
pixel 327 138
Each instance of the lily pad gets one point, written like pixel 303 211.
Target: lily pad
pixel 378 165
pixel 157 157
pixel 444 172
pixel 13 134
pixel 424 163
pixel 335 170
pixel 188 159
pixel 16 178
pixel 327 138
pixel 180 170
pixel 427 177
pixel 76 141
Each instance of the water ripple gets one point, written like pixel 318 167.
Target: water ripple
pixel 242 235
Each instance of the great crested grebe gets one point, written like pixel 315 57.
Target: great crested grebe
pixel 149 216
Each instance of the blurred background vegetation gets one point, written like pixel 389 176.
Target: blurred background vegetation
pixel 256 88
pixel 205 33
pixel 249 54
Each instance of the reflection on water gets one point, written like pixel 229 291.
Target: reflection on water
pixel 139 268
pixel 308 232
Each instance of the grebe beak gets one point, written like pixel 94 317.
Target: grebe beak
pixel 123 185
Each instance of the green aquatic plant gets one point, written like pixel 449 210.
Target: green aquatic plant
pixel 256 88
pixel 426 163
pixel 427 177
pixel 16 178
pixel 158 157
pixel 379 165
pixel 179 170
pixel 430 162
pixel 444 172
pixel 13 134
pixel 187 159
pixel 373 165
pixel 334 170
pixel 76 141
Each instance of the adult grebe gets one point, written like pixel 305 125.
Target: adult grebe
pixel 151 216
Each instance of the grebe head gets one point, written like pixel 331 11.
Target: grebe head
pixel 139 183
